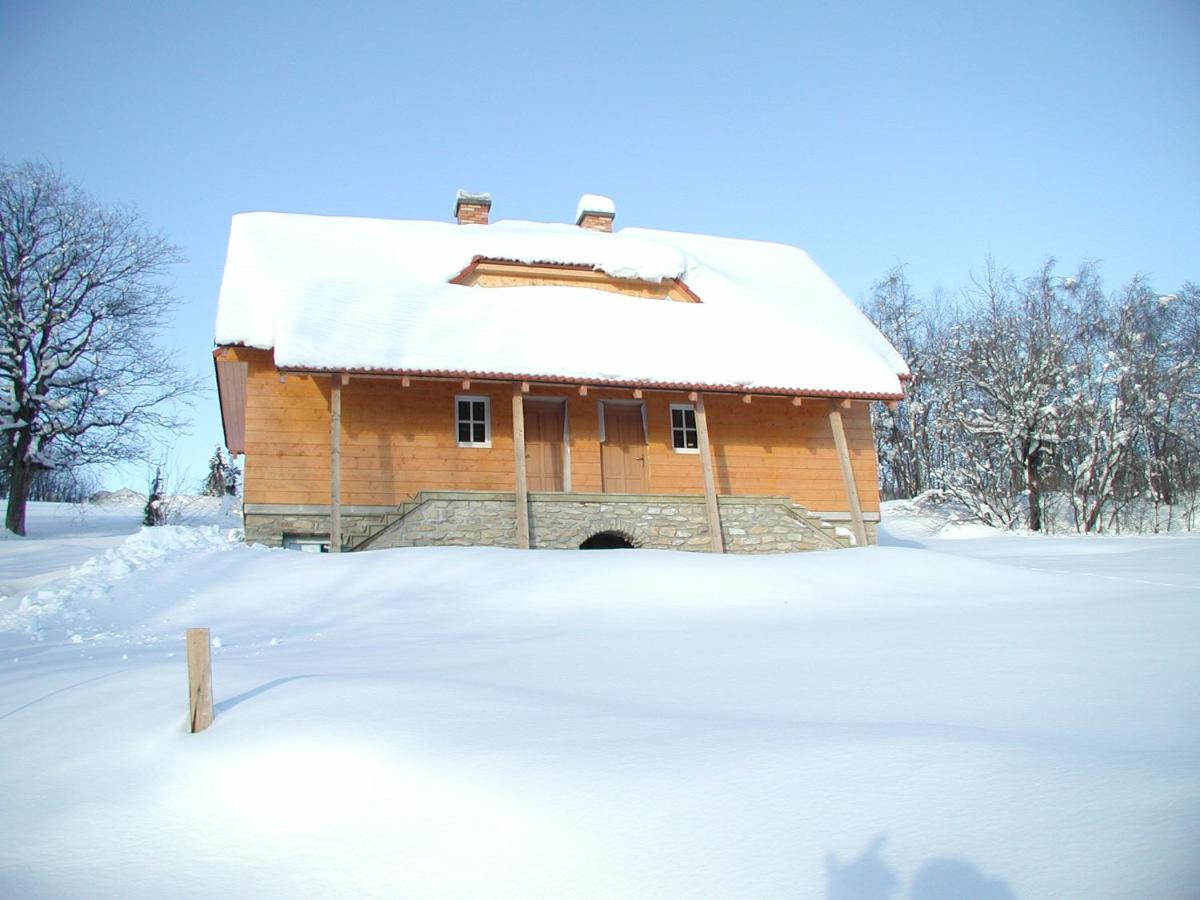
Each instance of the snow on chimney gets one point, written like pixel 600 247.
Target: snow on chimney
pixel 595 213
pixel 472 209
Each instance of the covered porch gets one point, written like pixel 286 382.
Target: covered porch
pixel 546 461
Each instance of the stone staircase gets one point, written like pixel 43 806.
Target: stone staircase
pixel 358 534
pixel 824 534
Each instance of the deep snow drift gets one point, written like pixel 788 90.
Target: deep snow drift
pixel 944 717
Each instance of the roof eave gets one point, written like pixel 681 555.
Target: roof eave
pixel 577 381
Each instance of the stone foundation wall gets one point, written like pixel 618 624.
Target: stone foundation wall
pixel 556 521
pixel 268 523
pixel 268 528
pixel 454 522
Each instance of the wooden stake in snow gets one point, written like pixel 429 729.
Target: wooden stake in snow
pixel 200 695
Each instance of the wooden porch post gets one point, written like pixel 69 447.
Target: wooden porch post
pixel 335 464
pixel 706 466
pixel 522 487
pixel 843 453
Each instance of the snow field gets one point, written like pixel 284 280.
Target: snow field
pixel 897 721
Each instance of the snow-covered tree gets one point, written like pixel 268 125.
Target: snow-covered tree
pixel 155 512
pixel 1160 347
pixel 231 479
pixel 1008 373
pixel 905 443
pixel 61 485
pixel 1046 388
pixel 81 301
pixel 1095 400
pixel 216 483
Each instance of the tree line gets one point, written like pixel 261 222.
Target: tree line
pixel 1045 399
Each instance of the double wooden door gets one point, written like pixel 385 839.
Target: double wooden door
pixel 544 445
pixel 623 453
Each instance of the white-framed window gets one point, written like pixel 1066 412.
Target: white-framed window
pixel 473 420
pixel 684 438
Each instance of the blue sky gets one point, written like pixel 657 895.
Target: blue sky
pixel 869 134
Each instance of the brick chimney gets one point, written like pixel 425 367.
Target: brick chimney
pixel 595 213
pixel 472 209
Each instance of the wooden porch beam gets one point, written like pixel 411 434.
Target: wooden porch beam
pixel 706 466
pixel 843 453
pixel 335 464
pixel 522 485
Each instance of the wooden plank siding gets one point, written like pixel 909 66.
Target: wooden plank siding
pixel 399 441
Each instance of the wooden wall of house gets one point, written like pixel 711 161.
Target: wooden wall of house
pixel 398 441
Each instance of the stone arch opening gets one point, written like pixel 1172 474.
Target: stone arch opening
pixel 608 540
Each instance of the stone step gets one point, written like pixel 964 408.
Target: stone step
pixel 827 529
pixel 380 523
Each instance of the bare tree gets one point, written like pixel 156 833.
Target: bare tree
pixel 908 452
pixel 1031 395
pixel 1096 400
pixel 1011 369
pixel 82 298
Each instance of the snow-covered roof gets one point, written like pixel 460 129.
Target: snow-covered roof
pixel 331 293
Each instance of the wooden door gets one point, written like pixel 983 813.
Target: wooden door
pixel 623 454
pixel 544 445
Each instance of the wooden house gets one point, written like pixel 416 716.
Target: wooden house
pixel 402 383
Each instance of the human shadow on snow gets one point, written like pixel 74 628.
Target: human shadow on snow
pixel 869 877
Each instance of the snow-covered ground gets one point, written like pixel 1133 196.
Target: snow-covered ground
pixel 951 715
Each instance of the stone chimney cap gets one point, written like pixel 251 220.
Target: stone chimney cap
pixel 596 205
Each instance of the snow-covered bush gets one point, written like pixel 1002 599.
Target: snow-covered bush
pixel 156 511
pixel 222 478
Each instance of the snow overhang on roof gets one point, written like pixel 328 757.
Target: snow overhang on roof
pixel 346 294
